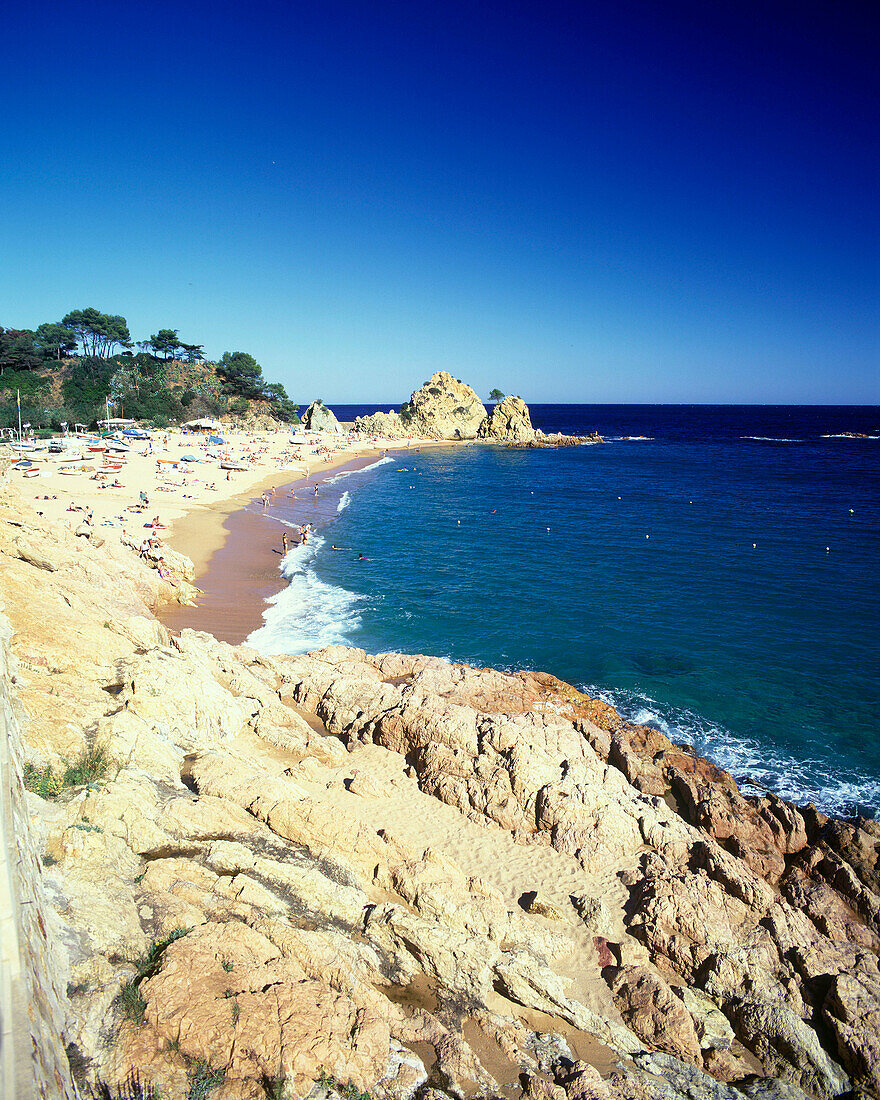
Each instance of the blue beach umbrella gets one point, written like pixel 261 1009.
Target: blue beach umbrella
pixel 215 439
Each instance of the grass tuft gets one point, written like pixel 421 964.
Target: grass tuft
pixel 274 1086
pixel 203 1079
pixel 133 1004
pixel 348 1090
pixel 92 765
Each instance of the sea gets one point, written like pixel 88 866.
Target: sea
pixel 711 571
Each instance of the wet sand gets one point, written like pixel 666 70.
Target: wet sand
pixel 238 554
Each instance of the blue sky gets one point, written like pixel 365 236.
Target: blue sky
pixel 622 202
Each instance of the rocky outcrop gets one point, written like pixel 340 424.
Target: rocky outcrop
pixel 318 418
pixel 422 878
pixel 386 425
pixel 508 422
pixel 444 408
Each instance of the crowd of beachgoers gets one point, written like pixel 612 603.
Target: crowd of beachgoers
pixel 113 482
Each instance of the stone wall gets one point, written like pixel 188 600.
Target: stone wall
pixel 33 1062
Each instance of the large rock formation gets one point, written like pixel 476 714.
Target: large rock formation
pixel 318 418
pixel 509 422
pixel 443 408
pixel 421 878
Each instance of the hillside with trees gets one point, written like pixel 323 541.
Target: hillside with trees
pixel 73 369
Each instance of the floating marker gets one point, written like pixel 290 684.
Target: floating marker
pixel 754 546
pixel 827 548
pixel 852 511
pixel 647 536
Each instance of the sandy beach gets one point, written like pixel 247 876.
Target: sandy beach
pixel 192 502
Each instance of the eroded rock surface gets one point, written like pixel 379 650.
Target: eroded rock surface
pixel 318 418
pixel 443 408
pixel 508 421
pixel 426 879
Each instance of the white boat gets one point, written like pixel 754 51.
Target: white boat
pixel 227 465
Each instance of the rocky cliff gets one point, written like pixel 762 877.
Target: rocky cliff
pixel 318 418
pixel 443 408
pixel 344 873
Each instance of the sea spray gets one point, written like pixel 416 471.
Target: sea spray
pixel 799 780
pixel 344 501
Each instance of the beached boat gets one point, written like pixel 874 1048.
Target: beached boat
pixel 70 470
pixel 226 465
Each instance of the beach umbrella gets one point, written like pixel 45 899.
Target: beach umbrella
pixel 189 458
pixel 215 439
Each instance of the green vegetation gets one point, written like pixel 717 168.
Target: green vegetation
pixel 133 1004
pixel 74 369
pixel 274 1086
pixel 348 1090
pixel 203 1079
pixel 496 395
pixel 91 766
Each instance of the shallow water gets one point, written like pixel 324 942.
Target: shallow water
pixel 683 576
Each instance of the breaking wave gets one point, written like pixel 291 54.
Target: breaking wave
pixel 308 613
pixel 797 779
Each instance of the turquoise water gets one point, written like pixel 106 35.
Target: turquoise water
pixel 683 577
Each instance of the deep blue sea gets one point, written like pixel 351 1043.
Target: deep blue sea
pixel 712 571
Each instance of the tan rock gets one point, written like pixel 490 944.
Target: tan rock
pixel 509 420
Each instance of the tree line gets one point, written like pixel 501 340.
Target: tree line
pixel 70 369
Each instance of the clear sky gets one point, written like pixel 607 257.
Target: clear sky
pixel 625 201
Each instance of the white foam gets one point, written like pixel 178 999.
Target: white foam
pixel 363 469
pixel 629 438
pixel 772 439
pixel 344 501
pixel 798 780
pixel 308 613
pixel 849 435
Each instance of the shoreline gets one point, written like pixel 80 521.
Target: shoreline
pixel 237 566
pixel 347 829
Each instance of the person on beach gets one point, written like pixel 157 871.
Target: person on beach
pixel 284 543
